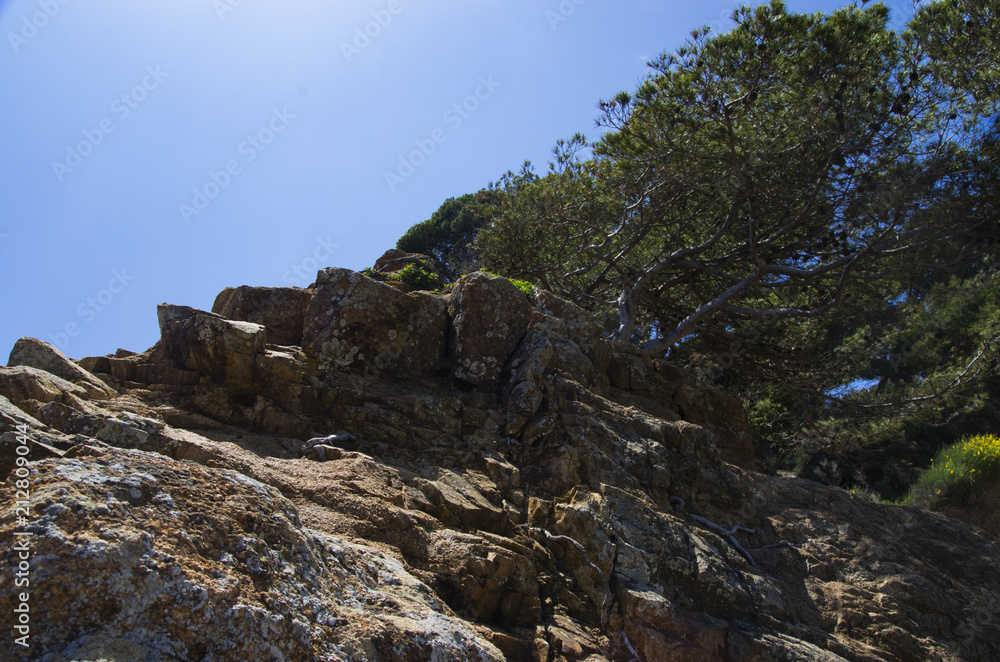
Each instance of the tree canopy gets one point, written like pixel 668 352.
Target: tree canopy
pixel 447 236
pixel 791 208
pixel 773 171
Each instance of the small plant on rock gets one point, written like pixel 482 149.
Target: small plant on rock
pixel 417 277
pixel 374 275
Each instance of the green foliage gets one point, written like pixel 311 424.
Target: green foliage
pixel 417 277
pixel 527 288
pixel 803 211
pixel 958 471
pixel 777 170
pixel 374 275
pixel 447 236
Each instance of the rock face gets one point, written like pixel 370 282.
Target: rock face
pixel 575 502
pixel 281 309
pixel 355 321
pixel 225 350
pixel 489 317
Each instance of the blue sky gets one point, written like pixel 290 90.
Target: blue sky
pixel 162 151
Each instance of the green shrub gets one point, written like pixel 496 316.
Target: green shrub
pixel 374 275
pixel 956 470
pixel 524 286
pixel 417 277
pixel 527 288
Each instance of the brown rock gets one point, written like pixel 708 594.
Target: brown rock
pixel 355 322
pixel 394 260
pixel 149 373
pixel 660 630
pixel 12 418
pixel 58 416
pixel 241 579
pixel 281 310
pixel 23 383
pixel 40 354
pixel 123 368
pixel 606 521
pixel 208 344
pixel 489 317
pixel 95 364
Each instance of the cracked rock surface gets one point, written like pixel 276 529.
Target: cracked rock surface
pixel 573 501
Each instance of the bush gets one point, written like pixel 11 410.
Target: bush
pixel 417 277
pixel 956 470
pixel 374 275
pixel 524 286
pixel 527 288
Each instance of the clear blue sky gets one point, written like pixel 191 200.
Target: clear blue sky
pixel 116 111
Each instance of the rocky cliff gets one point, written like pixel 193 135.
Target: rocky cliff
pixel 489 479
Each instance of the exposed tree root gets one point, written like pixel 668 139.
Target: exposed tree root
pixel 728 534
pixel 586 558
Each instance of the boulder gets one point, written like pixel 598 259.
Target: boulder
pixel 354 321
pixel 206 343
pixel 40 354
pixel 394 260
pixel 279 309
pixel 489 316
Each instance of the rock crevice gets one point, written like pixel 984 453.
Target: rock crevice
pixel 497 481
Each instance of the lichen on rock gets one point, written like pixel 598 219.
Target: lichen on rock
pixel 500 482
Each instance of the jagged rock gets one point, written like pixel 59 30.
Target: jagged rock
pixel 13 423
pixel 39 354
pixel 58 416
pixel 576 334
pixel 660 629
pixel 356 322
pixel 590 504
pixel 208 344
pixel 11 418
pixel 192 563
pixel 22 384
pixel 672 389
pixel 124 369
pixel 95 364
pixel 281 310
pixel 489 316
